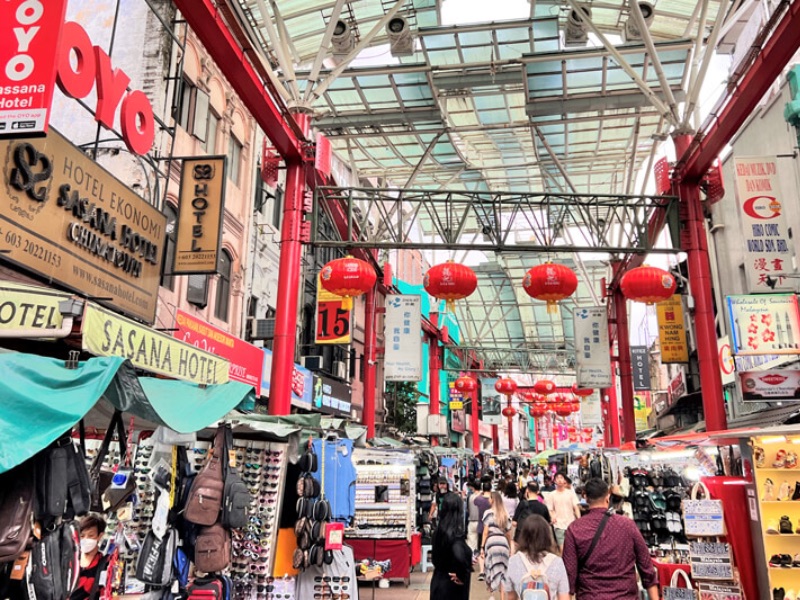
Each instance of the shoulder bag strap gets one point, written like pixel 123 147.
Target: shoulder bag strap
pixel 115 424
pixel 595 539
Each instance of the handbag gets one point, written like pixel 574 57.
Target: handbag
pixel 673 592
pixel 703 518
pixel 101 479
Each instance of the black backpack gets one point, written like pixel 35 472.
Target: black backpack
pixel 62 486
pixel 235 495
pixel 54 564
pixel 16 506
pixel 155 565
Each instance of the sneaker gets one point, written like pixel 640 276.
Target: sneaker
pixel 796 495
pixel 790 595
pixel 774 561
pixel 778 594
pixel 796 561
pixel 780 459
pixel 785 491
pixel 769 491
pixel 790 462
pixel 772 528
pixel 786 561
pixel 786 525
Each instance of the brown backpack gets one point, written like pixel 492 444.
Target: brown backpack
pixel 212 550
pixel 205 498
pixel 16 508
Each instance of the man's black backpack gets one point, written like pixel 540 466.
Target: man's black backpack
pixel 61 483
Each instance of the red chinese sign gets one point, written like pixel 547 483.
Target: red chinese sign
pixel 333 320
pixel 246 361
pixel 29 33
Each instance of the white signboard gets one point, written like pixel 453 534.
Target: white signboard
pixel 592 410
pixel 403 335
pixel 592 357
pixel 765 386
pixel 491 401
pixel 725 358
pixel 764 324
pixel 763 216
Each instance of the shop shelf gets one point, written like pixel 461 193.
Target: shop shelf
pixel 784 502
pixel 778 470
pixel 780 535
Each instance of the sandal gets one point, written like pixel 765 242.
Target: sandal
pixel 785 491
pixel 791 460
pixel 758 456
pixel 780 459
pixel 769 491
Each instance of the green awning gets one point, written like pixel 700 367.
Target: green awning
pixel 41 399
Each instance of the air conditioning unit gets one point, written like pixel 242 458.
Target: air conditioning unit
pixel 312 363
pixel 631 32
pixel 340 369
pixel 401 42
pixel 342 41
pixel 575 33
pixel 262 329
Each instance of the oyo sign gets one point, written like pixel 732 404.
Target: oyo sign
pixel 83 66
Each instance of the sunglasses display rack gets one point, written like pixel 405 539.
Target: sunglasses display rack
pixel 385 496
pixel 777 475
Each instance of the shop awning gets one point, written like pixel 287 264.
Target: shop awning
pixel 42 398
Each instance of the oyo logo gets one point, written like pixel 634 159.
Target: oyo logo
pixel 21 66
pixel 82 66
pixel 762 207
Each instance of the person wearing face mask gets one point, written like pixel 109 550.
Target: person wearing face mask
pixel 93 562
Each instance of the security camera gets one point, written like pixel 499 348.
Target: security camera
pixel 401 42
pixel 575 32
pixel 342 41
pixel 631 32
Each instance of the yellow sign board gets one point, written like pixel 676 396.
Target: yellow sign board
pixel 65 218
pixel 202 201
pixel 456 405
pixel 672 331
pixel 334 322
pixel 29 307
pixel 107 334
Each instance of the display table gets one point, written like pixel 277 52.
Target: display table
pixel 665 571
pixel 398 551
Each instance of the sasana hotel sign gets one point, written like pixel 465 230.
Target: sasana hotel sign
pixel 67 219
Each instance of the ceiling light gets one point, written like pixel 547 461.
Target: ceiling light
pixel 401 42
pixel 631 31
pixel 575 33
pixel 342 41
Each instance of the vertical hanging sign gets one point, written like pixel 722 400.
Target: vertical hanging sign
pixel 403 335
pixel 29 39
pixel 592 357
pixel 333 320
pixel 764 228
pixel 671 331
pixel 640 360
pixel 202 201
pixel 490 401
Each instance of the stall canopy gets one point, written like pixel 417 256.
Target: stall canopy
pixel 42 398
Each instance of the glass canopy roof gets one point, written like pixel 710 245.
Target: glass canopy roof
pixel 497 107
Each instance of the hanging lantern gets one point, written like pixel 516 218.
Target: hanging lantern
pixel 563 409
pixel 538 410
pixel 575 406
pixel 509 412
pixel 506 386
pixel 550 282
pixel 544 387
pixel 582 392
pixel 348 277
pixel 647 284
pixel 465 385
pixel 552 400
pixel 450 281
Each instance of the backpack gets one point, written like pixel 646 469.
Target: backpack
pixel 212 550
pixel 61 483
pixel 16 508
pixel 54 564
pixel 534 584
pixel 205 498
pixel 209 588
pixel 156 558
pixel 235 495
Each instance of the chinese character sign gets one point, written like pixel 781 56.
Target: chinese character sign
pixel 764 324
pixel 491 401
pixel 403 335
pixel 671 331
pixel 592 357
pixel 764 228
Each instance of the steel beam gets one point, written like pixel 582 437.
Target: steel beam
pixel 370 375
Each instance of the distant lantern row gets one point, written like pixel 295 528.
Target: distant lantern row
pixel 549 282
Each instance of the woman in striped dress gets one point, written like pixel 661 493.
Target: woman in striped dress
pixel 496 543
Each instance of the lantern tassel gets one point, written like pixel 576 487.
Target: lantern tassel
pixel 451 305
pixel 552 307
pixel 347 302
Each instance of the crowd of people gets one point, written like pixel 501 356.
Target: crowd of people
pixel 536 537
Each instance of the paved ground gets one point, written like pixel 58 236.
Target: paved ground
pixel 419 589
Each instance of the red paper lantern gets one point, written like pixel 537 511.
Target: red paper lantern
pixel 647 284
pixel 450 281
pixel 575 407
pixel 582 392
pixel 539 410
pixel 552 400
pixel 347 277
pixel 550 282
pixel 563 409
pixel 509 412
pixel 544 387
pixel 505 386
pixel 465 385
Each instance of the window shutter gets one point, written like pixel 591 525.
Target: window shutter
pixel 197 293
pixel 201 115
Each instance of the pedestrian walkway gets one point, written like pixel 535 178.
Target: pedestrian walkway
pixel 419 589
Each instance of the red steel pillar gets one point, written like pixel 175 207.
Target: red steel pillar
pixel 625 368
pixel 370 341
pixel 290 270
pixel 611 409
pixel 495 439
pixel 474 422
pixel 510 429
pixel 434 365
pixel 700 284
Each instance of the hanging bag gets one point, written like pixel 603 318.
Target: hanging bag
pixel 102 478
pixel 205 498
pixel 212 551
pixel 236 496
pixel 155 565
pixel 703 518
pixel 16 508
pixel 673 592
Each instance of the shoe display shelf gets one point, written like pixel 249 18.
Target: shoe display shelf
pixel 777 477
